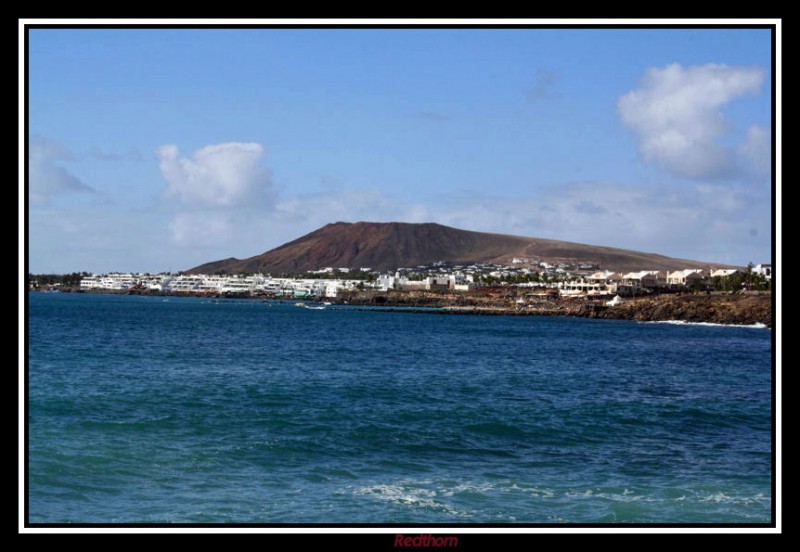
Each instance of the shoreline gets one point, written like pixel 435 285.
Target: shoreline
pixel 740 309
pixel 614 315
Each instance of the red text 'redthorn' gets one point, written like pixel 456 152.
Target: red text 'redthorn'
pixel 425 541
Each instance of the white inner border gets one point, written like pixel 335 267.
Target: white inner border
pixel 455 530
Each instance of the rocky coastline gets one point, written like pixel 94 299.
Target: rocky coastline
pixel 716 308
pixel 732 309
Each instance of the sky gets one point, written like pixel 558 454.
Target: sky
pixel 155 150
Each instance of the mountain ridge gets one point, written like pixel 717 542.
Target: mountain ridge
pixel 390 245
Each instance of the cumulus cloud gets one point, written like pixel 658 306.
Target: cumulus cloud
pixel 46 175
pixel 346 205
pixel 192 229
pixel 756 150
pixel 676 116
pixel 219 175
pixel 708 222
pixel 97 240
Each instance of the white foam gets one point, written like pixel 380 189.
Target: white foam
pixel 534 491
pixel 409 496
pixel 625 496
pixel 721 497
pixel 757 325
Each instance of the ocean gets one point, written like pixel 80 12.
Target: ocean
pixel 155 410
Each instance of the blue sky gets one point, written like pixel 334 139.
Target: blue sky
pixel 160 149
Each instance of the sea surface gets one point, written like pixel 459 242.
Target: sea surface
pixel 187 410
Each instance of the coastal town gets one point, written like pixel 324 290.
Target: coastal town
pixel 719 295
pixel 564 280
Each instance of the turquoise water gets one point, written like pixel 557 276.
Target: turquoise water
pixel 146 410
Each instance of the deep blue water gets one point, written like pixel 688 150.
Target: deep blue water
pixel 145 410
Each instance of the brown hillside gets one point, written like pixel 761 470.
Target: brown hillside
pixel 385 246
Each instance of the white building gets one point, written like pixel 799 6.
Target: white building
pixel 91 282
pixel 469 286
pixel 410 285
pixel 436 282
pixel 386 282
pixel 114 281
pixel 724 272
pixel 643 279
pixel 764 269
pixel 460 279
pixel 586 287
pixel 186 283
pixel 236 284
pixel 686 277
pixel 605 277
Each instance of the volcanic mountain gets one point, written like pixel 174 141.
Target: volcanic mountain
pixel 390 245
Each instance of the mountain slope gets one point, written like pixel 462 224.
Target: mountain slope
pixel 385 246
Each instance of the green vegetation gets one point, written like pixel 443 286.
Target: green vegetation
pixel 518 278
pixel 750 281
pixel 70 280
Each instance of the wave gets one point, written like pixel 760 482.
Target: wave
pixel 757 325
pixel 436 494
pixel 721 497
pixel 418 497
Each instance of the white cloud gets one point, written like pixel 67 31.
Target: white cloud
pixel 219 175
pixel 707 222
pixel 46 176
pixel 97 240
pixel 345 205
pixel 676 116
pixel 703 222
pixel 203 228
pixel 756 150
